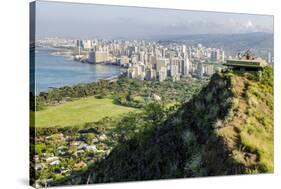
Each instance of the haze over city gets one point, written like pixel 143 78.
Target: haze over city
pixel 103 21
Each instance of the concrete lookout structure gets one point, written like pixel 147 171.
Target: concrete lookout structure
pixel 246 62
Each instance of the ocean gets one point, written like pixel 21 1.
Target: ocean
pixel 57 71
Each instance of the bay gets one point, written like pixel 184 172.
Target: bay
pixel 57 71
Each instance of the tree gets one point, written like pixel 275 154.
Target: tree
pixel 127 126
pixel 155 112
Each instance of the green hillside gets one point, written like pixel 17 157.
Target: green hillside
pixel 226 129
pixel 79 112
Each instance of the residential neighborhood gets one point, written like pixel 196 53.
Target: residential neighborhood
pixel 58 155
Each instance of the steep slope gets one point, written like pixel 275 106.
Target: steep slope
pixel 226 129
pixel 247 131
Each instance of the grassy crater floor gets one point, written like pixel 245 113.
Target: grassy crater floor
pixel 78 112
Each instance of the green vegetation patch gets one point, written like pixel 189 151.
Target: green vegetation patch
pixel 78 112
pixel 257 133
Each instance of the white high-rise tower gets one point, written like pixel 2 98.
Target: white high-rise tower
pixel 185 70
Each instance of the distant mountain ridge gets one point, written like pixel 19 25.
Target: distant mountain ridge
pixel 259 42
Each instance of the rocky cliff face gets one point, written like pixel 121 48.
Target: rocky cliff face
pixel 226 129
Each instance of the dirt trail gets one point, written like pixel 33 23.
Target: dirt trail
pixel 231 131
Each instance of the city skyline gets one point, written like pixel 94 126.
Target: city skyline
pixel 106 21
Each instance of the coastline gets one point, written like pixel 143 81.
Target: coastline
pixel 75 73
pixel 110 79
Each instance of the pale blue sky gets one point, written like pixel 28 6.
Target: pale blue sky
pixel 103 21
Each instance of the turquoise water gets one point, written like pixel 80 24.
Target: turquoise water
pixel 57 71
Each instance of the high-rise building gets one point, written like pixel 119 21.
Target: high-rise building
pixel 79 44
pixel 222 56
pixel 180 65
pixel 136 71
pixel 185 66
pixel 163 52
pixel 215 55
pixel 153 61
pixel 174 67
pixel 124 61
pixel 189 53
pixel 200 69
pixel 183 49
pixel 87 44
pixel 161 62
pixel 132 72
pixel 141 56
pixel 96 57
pixel 162 74
pixel 150 74
pixel 134 59
pixel 91 57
